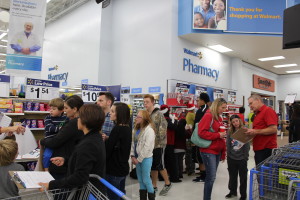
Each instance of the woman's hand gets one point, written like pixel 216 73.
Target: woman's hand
pixel 222 134
pixel 104 137
pixel 45 186
pixel 58 161
pixel 134 160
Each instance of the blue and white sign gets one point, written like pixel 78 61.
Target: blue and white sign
pixel 90 93
pixel 116 91
pixel 231 96
pixel 41 89
pixel 154 89
pixel 218 94
pixel 26 34
pixel 85 81
pixel 201 70
pixel 136 90
pixel 4 85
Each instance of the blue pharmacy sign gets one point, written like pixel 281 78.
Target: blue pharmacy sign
pixel 154 89
pixel 136 90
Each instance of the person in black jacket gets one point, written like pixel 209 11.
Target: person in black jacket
pixel 118 147
pixel 294 128
pixel 202 103
pixel 88 156
pixel 68 136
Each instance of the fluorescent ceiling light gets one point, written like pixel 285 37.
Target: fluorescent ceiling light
pixel 220 48
pixel 4 40
pixel 295 71
pixel 71 90
pixel 48 1
pixel 3 46
pixel 2 54
pixel 271 58
pixel 3 60
pixel 77 88
pixel 2 35
pixel 286 65
pixel 2 71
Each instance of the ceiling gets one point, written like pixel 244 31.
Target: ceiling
pixel 246 47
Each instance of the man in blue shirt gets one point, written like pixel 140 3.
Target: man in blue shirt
pixel 206 9
pixel 105 101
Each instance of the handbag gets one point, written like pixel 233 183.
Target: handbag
pixel 198 141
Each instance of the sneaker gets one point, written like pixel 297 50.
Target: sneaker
pixel 198 179
pixel 243 198
pixel 155 189
pixel 230 195
pixel 165 190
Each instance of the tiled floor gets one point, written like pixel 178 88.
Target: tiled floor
pixel 194 191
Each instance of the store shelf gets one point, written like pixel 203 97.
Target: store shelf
pixel 37 129
pixel 36 112
pixel 14 114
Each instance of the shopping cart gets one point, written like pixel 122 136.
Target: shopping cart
pixel 277 177
pixel 87 192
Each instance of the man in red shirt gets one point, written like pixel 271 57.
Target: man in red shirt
pixel 264 128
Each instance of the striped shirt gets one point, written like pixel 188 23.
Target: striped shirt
pixel 53 124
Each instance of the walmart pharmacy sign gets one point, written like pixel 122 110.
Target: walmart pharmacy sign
pixel 197 69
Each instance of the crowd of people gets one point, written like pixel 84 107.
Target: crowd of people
pixel 99 139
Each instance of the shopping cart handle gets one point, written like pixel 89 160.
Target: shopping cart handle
pixel 110 186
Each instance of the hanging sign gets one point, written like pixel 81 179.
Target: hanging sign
pixel 26 34
pixel 41 89
pixel 4 85
pixel 115 90
pixel 231 96
pixel 154 89
pixel 90 93
pixel 218 93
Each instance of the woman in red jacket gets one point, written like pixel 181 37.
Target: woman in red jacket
pixel 208 129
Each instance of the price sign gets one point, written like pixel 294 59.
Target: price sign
pixel 41 89
pixel 4 85
pixel 90 93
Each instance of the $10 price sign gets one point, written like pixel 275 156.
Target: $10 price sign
pixel 90 93
pixel 41 89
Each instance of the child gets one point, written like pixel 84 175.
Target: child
pixel 237 161
pixel 53 122
pixel 8 153
pixel 199 20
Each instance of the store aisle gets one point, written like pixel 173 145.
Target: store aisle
pixel 194 191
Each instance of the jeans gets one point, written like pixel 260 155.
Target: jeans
pixel 119 183
pixel 143 170
pixel 211 162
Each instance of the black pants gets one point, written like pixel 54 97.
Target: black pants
pixel 261 155
pixel 235 168
pixel 179 163
pixel 170 162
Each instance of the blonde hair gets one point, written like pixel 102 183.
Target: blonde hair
pixel 215 106
pixel 8 151
pixel 146 121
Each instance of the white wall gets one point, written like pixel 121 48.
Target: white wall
pixel 141 42
pixel 288 84
pixel 73 43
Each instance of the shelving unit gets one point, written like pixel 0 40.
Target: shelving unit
pixel 231 110
pixel 138 103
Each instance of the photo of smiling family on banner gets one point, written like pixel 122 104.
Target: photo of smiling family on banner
pixel 210 14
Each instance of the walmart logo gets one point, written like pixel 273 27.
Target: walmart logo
pixel 192 53
pixel 53 68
